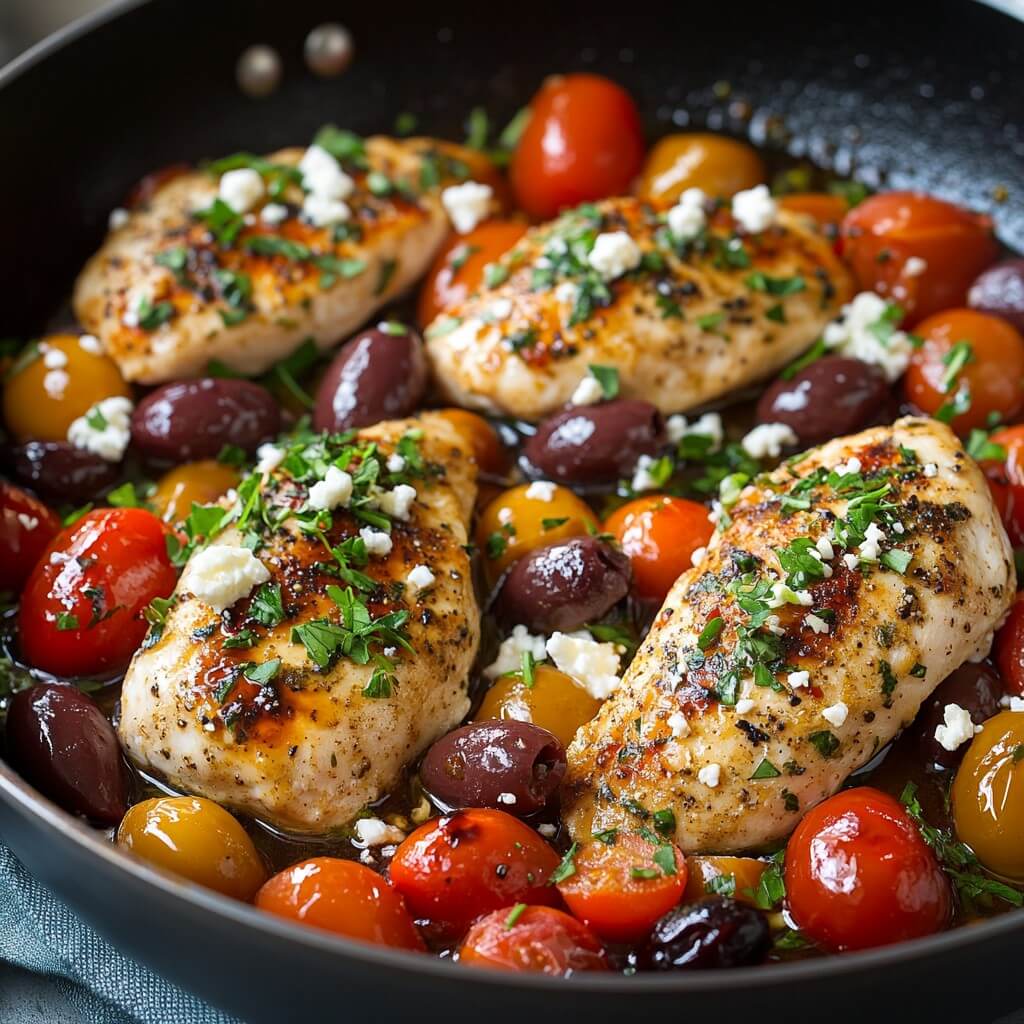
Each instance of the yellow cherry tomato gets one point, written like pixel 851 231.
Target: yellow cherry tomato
pixel 988 796
pixel 486 446
pixel 554 702
pixel 197 839
pixel 737 875
pixel 65 379
pixel 719 165
pixel 202 482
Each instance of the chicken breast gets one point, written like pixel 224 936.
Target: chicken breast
pixel 750 700
pixel 172 290
pixel 691 323
pixel 297 704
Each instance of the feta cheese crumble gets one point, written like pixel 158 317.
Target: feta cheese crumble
pixel 956 729
pixel 871 548
pixel 767 440
pixel 322 175
pixel 588 391
pixel 710 775
pixel 374 832
pixel 269 457
pixel 397 502
pixel 500 309
pixel 395 463
pixel 799 679
pixel 836 715
pixel 754 209
pixel 815 623
pixel 851 561
pixel 614 254
pixel 420 577
pixel 274 214
pixel 782 594
pixel 223 574
pixel 467 204
pixel 930 469
pixel 643 479
pixel 697 556
pixel 744 705
pixel 594 665
pixel 709 425
pixel 332 492
pixel 241 189
pixel 541 490
pixel 322 212
pixel 686 219
pixel 105 429
pixel 512 649
pixel 377 541
pixel 679 724
pixel 855 334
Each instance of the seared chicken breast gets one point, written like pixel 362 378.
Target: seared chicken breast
pixel 845 588
pixel 683 322
pixel 301 701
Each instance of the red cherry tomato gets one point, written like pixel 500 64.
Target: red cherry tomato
pixel 452 870
pixel 583 141
pixel 81 610
pixel 1009 648
pixel 1006 481
pixel 882 233
pixel 660 535
pixel 622 888
pixel 343 897
pixel 858 874
pixel 26 527
pixel 538 940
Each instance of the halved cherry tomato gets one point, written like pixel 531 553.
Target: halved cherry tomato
pixel 583 141
pixel 715 163
pixel 489 452
pixel 26 527
pixel 81 610
pixel 970 360
pixel 1008 650
pixel 458 270
pixel 454 869
pixel 828 210
pixel 621 888
pixel 955 245
pixel 660 535
pixel 343 897
pixel 1006 481
pixel 858 874
pixel 539 940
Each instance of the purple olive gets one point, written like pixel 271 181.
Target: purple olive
pixel 378 375
pixel 594 444
pixel 56 470
pixel 831 397
pixel 510 766
pixel 714 932
pixel 564 585
pixel 195 419
pixel 1000 291
pixel 59 740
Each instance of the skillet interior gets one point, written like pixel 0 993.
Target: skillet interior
pixel 869 89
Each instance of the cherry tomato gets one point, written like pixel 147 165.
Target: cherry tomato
pixel 1006 481
pixel 201 482
pixel 343 897
pixel 828 210
pixel 1008 650
pixel 955 245
pixel 538 940
pixel 458 270
pixel 454 869
pixel 81 610
pixel 719 165
pixel 744 872
pixel 621 888
pixel 970 358
pixel 583 141
pixel 26 527
pixel 660 535
pixel 489 452
pixel 858 874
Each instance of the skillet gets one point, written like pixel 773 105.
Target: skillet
pixel 873 90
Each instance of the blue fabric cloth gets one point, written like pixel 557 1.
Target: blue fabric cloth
pixel 40 933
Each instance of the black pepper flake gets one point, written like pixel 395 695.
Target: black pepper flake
pixel 752 732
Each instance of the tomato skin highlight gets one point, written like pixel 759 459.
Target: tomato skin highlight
pixel 26 527
pixel 455 869
pixel 583 141
pixel 99 574
pixel 858 874
pixel 539 940
pixel 1008 651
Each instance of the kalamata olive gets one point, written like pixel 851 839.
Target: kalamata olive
pixel 1000 291
pixel 594 444
pixel 195 419
pixel 714 932
pixel 831 397
pixel 59 740
pixel 974 686
pixel 509 766
pixel 56 470
pixel 564 585
pixel 378 375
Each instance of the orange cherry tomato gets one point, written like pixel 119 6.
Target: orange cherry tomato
pixel 828 210
pixel 992 378
pixel 621 888
pixel 201 482
pixel 1008 650
pixel 715 163
pixel 26 527
pixel 489 452
pixel 458 270
pixel 744 872
pixel 955 245
pixel 583 141
pixel 454 869
pixel 858 874
pixel 536 940
pixel 660 535
pixel 81 610
pixel 1006 481
pixel 343 897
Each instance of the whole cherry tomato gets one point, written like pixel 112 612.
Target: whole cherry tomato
pixel 858 874
pixel 540 940
pixel 718 165
pixel 621 887
pixel 660 535
pixel 828 210
pixel 1006 480
pixel 949 247
pixel 583 141
pixel 81 610
pixel 490 454
pixel 454 869
pixel 1008 650
pixel 343 897
pixel 971 366
pixel 26 527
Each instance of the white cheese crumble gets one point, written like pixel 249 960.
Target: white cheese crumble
pixel 710 775
pixel 744 705
pixel 871 547
pixel 322 175
pixel 223 574
pixel 274 214
pixel 815 623
pixel 679 724
pixel 836 714
pixel 957 727
pixel 397 502
pixel 799 679
pixel 467 204
pixel 332 492
pixel 784 594
pixel 541 490
pixel 108 433
pixel 824 548
pixel 851 561
pixel 594 665
pixel 614 254
pixel 588 391
pixel 377 541
pixel 547 830
pixel 930 469
pixel 767 440
pixel 507 798
pixel 643 479
pixel 686 219
pixel 269 457
pixel 118 218
pixel 1016 704
pixel 395 463
pixel 754 209
pixel 854 335
pixel 91 344
pixel 914 267
pixel 566 293
pixel 697 556
pixel 322 212
pixel 772 624
pixel 420 577
pixel 500 309
pixel 374 832
pixel 241 189
pixel 852 465
pixel 512 649
pixel 709 425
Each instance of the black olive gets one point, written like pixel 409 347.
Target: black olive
pixel 714 932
